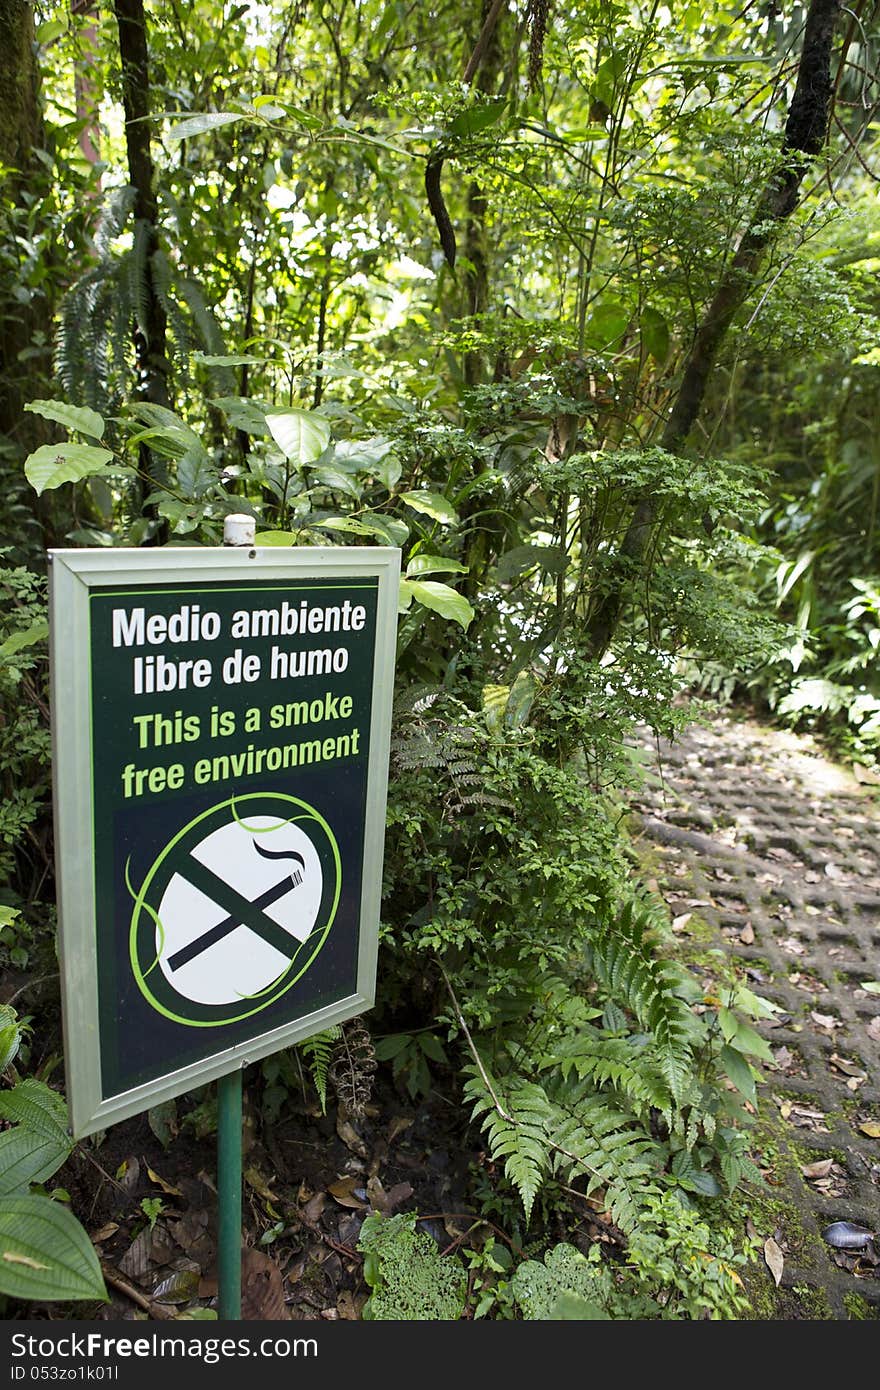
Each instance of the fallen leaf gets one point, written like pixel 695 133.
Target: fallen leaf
pixel 873 1029
pixel 833 871
pixel 160 1182
pixel 855 1082
pixel 871 1128
pixel 262 1288
pixel 313 1208
pixel 870 986
pixel 785 1109
pixel 180 1287
pixel 136 1260
pixel 679 923
pixel 847 1067
pixel 347 1307
pixel 819 1169
pixel 107 1230
pixel 397 1126
pixel 747 935
pixel 128 1172
pixel 348 1192
pixel 793 946
pixel 255 1179
pixel 774 1258
pixel 350 1137
pixel 826 1021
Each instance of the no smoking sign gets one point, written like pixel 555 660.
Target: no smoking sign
pixel 235 909
pixel 219 835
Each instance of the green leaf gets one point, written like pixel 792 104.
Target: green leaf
pixel 54 464
pixel 27 1155
pixel 27 637
pixel 36 1105
pixel 524 557
pixel 300 435
pixel 440 598
pixel 704 1183
pixel 870 986
pixel 478 118
pixel 45 1253
pixel 747 1040
pixel 73 417
pixel 274 538
pixel 433 505
pixel 10 1041
pixel 243 413
pixel 739 1071
pixel 434 564
pixel 207 359
pixel 655 334
pixel 606 325
pixel 206 120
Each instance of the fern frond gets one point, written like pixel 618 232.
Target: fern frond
pixel 317 1052
pixel 622 955
pixel 517 1137
pixel 612 1063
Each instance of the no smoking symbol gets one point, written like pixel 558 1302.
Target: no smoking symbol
pixel 235 909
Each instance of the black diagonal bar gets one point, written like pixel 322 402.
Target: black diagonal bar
pixel 242 913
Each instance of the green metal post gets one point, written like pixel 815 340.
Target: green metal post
pixel 229 1195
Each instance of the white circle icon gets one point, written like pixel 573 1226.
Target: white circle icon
pixel 237 908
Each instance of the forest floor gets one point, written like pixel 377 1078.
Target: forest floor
pixel 768 856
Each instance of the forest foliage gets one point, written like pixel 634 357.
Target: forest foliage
pixel 578 307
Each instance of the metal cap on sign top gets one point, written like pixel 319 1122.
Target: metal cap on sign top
pixel 239 529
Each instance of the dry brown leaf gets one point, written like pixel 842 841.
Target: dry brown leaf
pixel 107 1230
pixel 871 1128
pixel 313 1208
pixel 828 1022
pixel 873 1029
pixel 847 1067
pixel 820 1169
pixel 128 1172
pixel 679 923
pixel 747 935
pixel 160 1182
pixel 262 1288
pixel 348 1307
pixel 254 1178
pixel 135 1263
pixel 349 1136
pixel 775 1259
pixel 793 946
pixel 348 1192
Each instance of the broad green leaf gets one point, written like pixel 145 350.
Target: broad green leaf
pixel 28 1156
pixel 10 1041
pixel 337 480
pixel 206 120
pixel 606 325
pixel 433 505
pixel 478 118
pixel 440 598
pixel 34 1104
pixel 704 1183
pixel 521 558
pixel 27 637
pixel 737 1068
pixel 495 699
pixel 434 564
pixel 404 596
pixel 655 334
pixel 73 417
pixel 243 413
pixel 388 528
pixel 301 435
pixel 570 1307
pixel 274 538
pixel 520 700
pixel 45 1253
pixel 870 986
pixel 196 473
pixel 54 464
pixel 207 359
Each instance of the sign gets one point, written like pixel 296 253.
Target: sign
pixel 221 721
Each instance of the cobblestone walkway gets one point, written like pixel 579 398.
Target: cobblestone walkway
pixel 771 851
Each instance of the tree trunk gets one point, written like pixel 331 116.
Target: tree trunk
pixel 150 335
pixel 805 134
pixel 23 323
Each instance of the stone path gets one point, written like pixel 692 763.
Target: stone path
pixel 775 852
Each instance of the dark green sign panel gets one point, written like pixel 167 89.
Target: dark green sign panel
pixel 221 724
